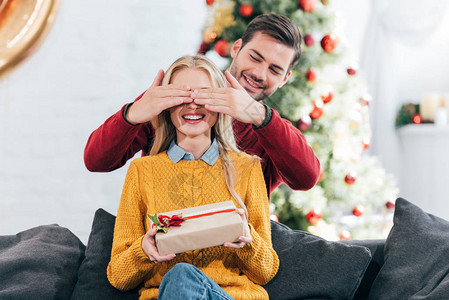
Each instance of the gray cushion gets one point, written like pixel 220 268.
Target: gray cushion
pixel 416 257
pixel 92 278
pixel 39 263
pixel 376 248
pixel 313 268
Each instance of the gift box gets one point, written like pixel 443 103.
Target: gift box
pixel 201 227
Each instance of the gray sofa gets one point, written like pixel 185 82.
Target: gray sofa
pixel 49 262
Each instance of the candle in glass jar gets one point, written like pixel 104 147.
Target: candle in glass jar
pixel 428 106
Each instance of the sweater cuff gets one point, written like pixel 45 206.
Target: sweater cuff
pixel 247 251
pixel 136 248
pixel 268 116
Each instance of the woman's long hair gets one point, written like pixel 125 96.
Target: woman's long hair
pixel 222 130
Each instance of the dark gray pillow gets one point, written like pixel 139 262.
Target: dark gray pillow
pixel 39 263
pixel 92 278
pixel 376 248
pixel 416 257
pixel 313 268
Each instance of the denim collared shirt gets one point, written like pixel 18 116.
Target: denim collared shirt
pixel 176 153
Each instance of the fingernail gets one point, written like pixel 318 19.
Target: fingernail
pixel 193 95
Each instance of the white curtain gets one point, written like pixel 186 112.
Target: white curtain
pixel 392 22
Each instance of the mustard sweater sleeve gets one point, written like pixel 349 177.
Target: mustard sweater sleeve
pixel 129 264
pixel 258 260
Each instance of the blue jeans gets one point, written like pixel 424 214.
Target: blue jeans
pixel 185 281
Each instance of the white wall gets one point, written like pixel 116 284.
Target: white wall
pixel 98 56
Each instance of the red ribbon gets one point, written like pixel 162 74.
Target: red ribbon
pixel 176 220
pixel 209 214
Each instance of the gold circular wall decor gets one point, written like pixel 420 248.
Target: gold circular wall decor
pixel 23 27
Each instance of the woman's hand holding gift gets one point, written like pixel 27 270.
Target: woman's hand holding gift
pixel 244 239
pixel 150 249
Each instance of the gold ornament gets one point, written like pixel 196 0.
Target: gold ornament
pixel 223 16
pixel 209 36
pixel 23 26
pixel 325 2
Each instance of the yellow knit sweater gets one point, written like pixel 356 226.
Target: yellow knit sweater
pixel 155 184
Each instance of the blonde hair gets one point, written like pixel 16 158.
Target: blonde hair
pixel 166 131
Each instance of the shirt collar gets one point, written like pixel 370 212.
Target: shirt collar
pixel 176 153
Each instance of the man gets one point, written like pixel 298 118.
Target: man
pixel 262 62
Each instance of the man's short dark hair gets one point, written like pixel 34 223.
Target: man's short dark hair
pixel 278 27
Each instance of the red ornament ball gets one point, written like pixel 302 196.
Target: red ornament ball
pixel 245 10
pixel 307 5
pixel 358 210
pixel 313 216
pixel 317 111
pixel 329 42
pixel 209 2
pixel 366 142
pixel 309 40
pixel 350 178
pixel 222 48
pixel 390 205
pixel 204 47
pixel 345 235
pixel 416 119
pixel 327 97
pixel 366 99
pixel 304 123
pixel 311 75
pixel 274 218
pixel 351 71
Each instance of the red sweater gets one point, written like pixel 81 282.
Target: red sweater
pixel 286 156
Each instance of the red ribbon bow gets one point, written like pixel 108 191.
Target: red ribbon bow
pixel 176 220
pixel 167 221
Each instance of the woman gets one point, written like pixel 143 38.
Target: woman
pixel 193 161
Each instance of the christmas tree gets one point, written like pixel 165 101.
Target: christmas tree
pixel 326 98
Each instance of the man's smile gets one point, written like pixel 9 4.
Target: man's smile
pixel 252 84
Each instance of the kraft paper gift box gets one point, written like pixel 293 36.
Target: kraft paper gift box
pixel 203 226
